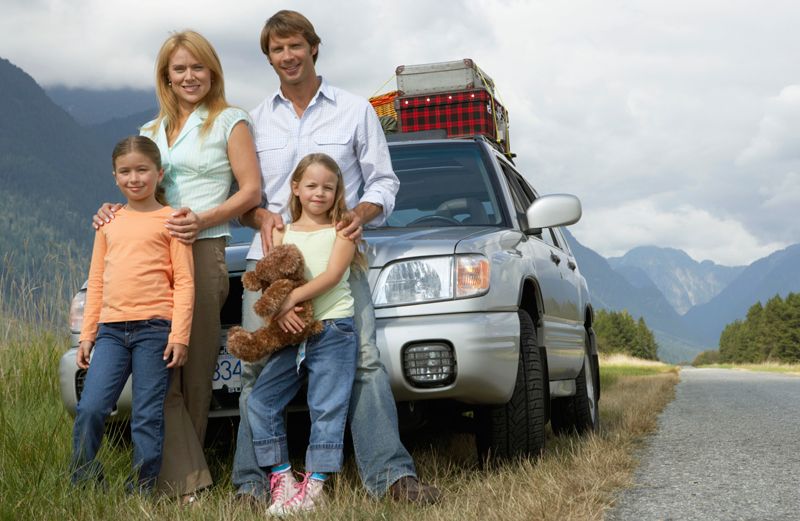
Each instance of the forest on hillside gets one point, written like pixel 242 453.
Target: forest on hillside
pixel 618 332
pixel 769 333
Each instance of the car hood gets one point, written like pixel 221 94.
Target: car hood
pixel 389 244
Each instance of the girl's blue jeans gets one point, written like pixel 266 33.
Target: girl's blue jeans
pixel 330 363
pixel 380 455
pixel 122 349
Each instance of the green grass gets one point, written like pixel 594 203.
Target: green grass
pixel 615 366
pixel 611 374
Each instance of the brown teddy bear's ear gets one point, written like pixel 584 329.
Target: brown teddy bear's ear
pixel 279 259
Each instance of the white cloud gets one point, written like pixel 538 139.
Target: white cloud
pixel 784 194
pixel 691 105
pixel 776 139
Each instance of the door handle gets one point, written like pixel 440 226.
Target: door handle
pixel 555 258
pixel 571 265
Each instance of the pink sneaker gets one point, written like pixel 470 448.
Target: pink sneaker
pixel 281 489
pixel 308 496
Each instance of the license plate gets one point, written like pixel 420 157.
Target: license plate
pixel 228 373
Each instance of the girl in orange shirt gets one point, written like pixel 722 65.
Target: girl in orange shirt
pixel 137 318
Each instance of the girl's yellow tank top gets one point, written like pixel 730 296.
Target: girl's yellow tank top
pixel 316 247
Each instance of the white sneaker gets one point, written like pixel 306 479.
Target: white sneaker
pixel 308 496
pixel 282 487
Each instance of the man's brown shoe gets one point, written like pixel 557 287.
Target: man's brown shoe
pixel 409 488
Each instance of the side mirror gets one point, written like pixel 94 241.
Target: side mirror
pixel 552 210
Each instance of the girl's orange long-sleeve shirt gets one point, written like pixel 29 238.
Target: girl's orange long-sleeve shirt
pixel 139 272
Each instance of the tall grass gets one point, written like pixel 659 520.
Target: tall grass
pixel 33 322
pixel 576 479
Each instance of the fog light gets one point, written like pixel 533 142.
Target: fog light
pixel 80 382
pixel 430 364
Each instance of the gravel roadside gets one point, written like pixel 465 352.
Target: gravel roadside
pixel 727 448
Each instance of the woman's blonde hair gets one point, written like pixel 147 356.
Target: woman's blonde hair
pixel 146 147
pixel 339 209
pixel 204 52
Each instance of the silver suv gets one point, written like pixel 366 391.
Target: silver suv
pixel 482 313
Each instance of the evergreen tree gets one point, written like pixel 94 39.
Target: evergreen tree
pixel 769 332
pixel 645 346
pixel 617 332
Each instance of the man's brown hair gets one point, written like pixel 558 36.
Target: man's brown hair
pixel 287 23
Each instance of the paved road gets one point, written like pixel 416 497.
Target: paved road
pixel 727 448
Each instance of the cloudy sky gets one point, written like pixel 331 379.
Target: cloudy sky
pixel 676 123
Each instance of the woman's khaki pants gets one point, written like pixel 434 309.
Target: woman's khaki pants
pixel 184 469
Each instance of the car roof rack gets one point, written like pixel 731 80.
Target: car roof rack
pixel 441 134
pixel 421 135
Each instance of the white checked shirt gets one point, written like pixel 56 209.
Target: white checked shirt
pixel 338 123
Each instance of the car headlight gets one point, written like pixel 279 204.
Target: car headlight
pixel 76 311
pixel 432 279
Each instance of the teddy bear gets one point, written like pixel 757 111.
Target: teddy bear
pixel 276 274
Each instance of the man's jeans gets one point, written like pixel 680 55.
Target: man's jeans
pixel 380 456
pixel 123 348
pixel 330 363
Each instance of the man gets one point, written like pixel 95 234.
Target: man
pixel 308 115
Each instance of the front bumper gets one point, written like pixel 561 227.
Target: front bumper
pixel 486 348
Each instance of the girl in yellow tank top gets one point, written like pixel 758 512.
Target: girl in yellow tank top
pixel 316 204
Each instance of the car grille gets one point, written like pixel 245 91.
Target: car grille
pixel 231 314
pixel 80 380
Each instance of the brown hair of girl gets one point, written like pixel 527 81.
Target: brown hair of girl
pixel 338 211
pixel 145 146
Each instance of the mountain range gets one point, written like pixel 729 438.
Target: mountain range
pixel 630 286
pixel 55 170
pixel 52 175
pixel 684 282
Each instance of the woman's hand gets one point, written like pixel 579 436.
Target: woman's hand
pixel 290 322
pixel 179 354
pixel 104 214
pixel 184 225
pixel 84 351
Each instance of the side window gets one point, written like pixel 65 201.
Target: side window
pixel 547 236
pixel 561 240
pixel 525 187
pixel 521 201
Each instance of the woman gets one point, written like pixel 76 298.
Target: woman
pixel 205 144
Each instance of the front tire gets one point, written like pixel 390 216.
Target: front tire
pixel 517 429
pixel 580 413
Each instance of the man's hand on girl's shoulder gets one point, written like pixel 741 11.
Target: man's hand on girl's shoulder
pixel 104 214
pixel 268 221
pixel 350 226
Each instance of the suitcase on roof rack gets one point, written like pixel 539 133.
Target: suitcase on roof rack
pixel 429 78
pixel 461 114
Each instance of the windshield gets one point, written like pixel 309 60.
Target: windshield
pixel 444 184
